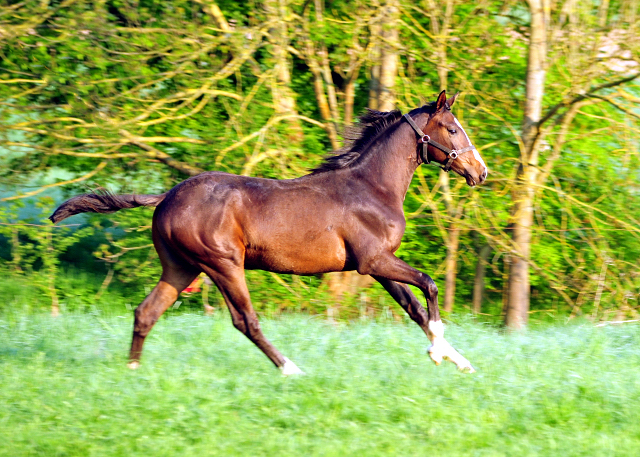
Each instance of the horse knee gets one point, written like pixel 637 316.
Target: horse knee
pixel 432 289
pixel 143 322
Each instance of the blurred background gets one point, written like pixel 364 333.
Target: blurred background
pixel 136 96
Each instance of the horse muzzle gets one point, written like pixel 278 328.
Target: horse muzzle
pixel 473 178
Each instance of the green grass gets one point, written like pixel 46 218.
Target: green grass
pixel 370 390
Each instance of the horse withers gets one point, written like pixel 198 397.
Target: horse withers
pixel 347 214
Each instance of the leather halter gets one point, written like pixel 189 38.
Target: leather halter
pixel 425 140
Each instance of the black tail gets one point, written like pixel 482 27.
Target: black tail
pixel 103 202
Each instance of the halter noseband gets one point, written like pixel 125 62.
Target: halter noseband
pixel 425 140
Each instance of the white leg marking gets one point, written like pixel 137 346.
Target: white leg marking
pixel 436 335
pixel 290 368
pixel 440 349
pixel 437 329
pixel 133 365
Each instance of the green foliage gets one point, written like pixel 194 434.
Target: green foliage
pixel 37 245
pixel 77 291
pixel 80 79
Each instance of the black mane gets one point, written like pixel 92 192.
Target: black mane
pixel 358 138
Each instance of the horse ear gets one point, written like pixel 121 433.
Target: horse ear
pixel 452 100
pixel 442 100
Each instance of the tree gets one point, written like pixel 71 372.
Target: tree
pixel 537 127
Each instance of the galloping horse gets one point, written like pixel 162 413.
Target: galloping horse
pixel 345 215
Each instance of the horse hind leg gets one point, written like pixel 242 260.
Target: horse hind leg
pixel 173 281
pixel 233 287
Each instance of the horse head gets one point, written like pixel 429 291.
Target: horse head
pixel 449 145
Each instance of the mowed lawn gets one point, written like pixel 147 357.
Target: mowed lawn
pixel 370 390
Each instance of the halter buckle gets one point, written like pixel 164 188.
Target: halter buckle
pixel 453 154
pixel 424 139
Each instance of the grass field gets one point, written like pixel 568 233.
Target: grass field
pixel 370 390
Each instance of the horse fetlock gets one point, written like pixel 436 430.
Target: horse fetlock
pixel 289 368
pixel 435 354
pixel 133 365
pixel 142 330
pixel 435 330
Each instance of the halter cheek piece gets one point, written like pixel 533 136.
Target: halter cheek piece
pixel 425 140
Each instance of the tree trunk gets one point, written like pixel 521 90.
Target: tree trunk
pixel 283 100
pixel 349 97
pixel 321 99
pixel 326 69
pixel 478 281
pixel 321 76
pixel 518 298
pixel 451 267
pixel 388 57
pixel 383 75
pixel 374 80
pixel 523 195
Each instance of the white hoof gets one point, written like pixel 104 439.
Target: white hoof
pixel 463 364
pixel 442 350
pixel 133 365
pixel 289 368
pixel 467 369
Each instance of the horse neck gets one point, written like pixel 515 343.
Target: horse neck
pixel 390 163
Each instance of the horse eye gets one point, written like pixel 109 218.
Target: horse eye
pixel 452 131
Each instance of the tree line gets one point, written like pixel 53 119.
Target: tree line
pixel 139 95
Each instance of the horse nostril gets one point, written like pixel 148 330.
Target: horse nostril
pixel 483 176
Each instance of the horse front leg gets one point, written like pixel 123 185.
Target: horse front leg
pixel 390 272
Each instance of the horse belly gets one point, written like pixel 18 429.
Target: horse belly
pixel 298 256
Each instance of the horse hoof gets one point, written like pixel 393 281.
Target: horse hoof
pixel 467 369
pixel 289 368
pixel 435 355
pixel 133 365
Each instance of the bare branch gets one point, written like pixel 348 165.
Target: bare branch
pixel 269 124
pixel 616 105
pixel 163 157
pixel 578 98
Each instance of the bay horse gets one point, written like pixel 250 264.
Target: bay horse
pixel 347 214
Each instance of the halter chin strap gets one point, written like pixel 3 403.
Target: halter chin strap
pixel 425 140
